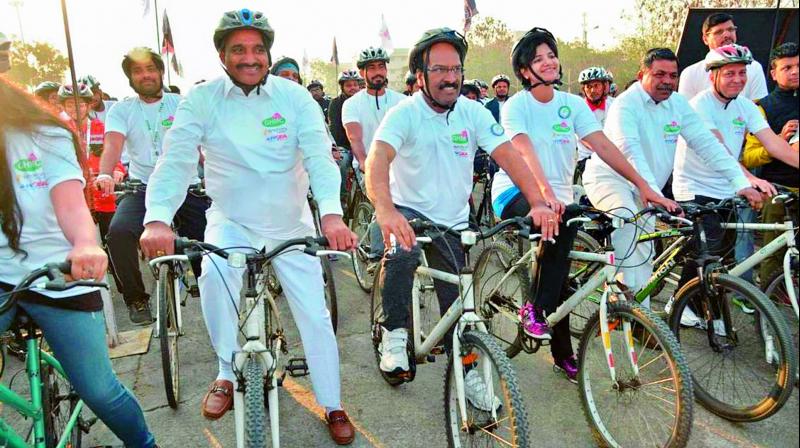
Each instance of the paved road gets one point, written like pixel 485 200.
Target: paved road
pixel 407 416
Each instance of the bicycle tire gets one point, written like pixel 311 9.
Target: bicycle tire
pixel 254 415
pixel 511 410
pixel 168 334
pixel 330 292
pixel 58 403
pixel 694 344
pixel 361 265
pixel 502 308
pixel 579 272
pixel 654 331
pixel 376 319
pixel 776 291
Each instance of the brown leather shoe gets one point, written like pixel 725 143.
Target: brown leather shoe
pixel 342 431
pixel 218 400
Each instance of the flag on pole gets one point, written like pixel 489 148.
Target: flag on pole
pixel 335 53
pixel 306 65
pixel 167 44
pixel 386 38
pixel 145 7
pixel 470 11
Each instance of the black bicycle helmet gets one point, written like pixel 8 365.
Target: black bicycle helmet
pixel 525 49
pixel 418 57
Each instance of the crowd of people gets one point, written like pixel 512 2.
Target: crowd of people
pixel 258 133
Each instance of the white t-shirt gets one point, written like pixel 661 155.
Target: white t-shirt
pixel 692 175
pixel 38 162
pixel 361 108
pixel 552 128
pixel 695 79
pixel 432 169
pixel 600 114
pixel 144 126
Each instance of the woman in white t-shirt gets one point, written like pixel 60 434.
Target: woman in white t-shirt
pixel 44 219
pixel 542 123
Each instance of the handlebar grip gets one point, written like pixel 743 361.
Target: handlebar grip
pixel 65 267
pixel 181 244
pixel 321 241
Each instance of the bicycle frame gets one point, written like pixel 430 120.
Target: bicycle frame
pixel 33 409
pixel 462 311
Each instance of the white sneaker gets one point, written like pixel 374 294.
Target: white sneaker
pixel 719 328
pixel 478 394
pixel 690 319
pixel 394 358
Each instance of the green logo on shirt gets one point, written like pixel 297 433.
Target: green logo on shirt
pixel 561 128
pixel 461 138
pixel 274 121
pixel 29 165
pixel 738 121
pixel 168 122
pixel 672 128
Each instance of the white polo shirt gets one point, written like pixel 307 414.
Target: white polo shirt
pixel 695 79
pixel 144 126
pixel 260 151
pixel 692 175
pixel 361 108
pixel 38 161
pixel 432 170
pixel 552 128
pixel 647 134
pixel 600 114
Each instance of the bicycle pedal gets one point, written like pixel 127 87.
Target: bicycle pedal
pixel 297 367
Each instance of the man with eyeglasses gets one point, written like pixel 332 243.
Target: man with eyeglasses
pixel 719 29
pixel 420 166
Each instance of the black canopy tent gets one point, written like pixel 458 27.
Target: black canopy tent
pixel 755 30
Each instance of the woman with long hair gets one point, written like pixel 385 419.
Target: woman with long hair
pixel 44 218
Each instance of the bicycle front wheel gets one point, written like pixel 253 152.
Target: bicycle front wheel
pixel 495 413
pixel 58 404
pixel 169 333
pixel 499 294
pixel 330 292
pixel 363 268
pixel 650 408
pixel 744 365
pixel 254 416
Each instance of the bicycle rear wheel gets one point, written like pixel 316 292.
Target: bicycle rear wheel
pixel 579 272
pixel 499 300
pixel 489 365
pixel 735 377
pixel 651 408
pixel 330 292
pixel 58 403
pixel 777 292
pixel 168 334
pixel 362 267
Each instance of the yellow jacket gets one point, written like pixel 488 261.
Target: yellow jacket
pixel 754 153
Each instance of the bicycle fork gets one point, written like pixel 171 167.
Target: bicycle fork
pixel 605 334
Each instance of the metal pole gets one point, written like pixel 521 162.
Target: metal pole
pixel 158 31
pixel 71 63
pixel 17 4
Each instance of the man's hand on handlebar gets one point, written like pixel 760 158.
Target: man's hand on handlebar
pixel 338 235
pixel 545 219
pixel 157 240
pixel 753 196
pixel 650 197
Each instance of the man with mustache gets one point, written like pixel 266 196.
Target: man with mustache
pixel 500 84
pixel 420 166
pixel 645 123
pixel 265 143
pixel 719 29
pixel 138 124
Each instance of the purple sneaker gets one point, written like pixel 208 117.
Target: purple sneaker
pixel 569 367
pixel 533 322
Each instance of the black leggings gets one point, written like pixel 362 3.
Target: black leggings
pixel 553 265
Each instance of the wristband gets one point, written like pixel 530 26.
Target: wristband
pixel 105 176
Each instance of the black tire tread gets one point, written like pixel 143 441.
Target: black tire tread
pixel 254 415
pixel 165 293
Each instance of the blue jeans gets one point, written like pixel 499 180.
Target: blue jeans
pixel 78 341
pixel 745 244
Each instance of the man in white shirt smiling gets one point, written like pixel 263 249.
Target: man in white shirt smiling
pixel 719 29
pixel 420 166
pixel 265 141
pixel 645 123
pixel 138 124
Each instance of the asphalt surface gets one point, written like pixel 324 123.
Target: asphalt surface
pixel 410 415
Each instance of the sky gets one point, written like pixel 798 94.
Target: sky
pixel 104 30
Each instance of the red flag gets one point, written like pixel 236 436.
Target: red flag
pixel 470 11
pixel 167 44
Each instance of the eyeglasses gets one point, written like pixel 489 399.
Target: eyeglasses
pixel 718 33
pixel 442 70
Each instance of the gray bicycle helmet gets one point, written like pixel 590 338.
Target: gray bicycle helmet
pixel 371 54
pixel 90 81
pixel 243 19
pixel 348 75
pixel 593 74
pixel 501 78
pixel 46 87
pixel 84 92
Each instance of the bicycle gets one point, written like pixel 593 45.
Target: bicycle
pixel 615 373
pixel 484 176
pixel 506 425
pixel 733 336
pixel 256 364
pixel 54 407
pixel 360 214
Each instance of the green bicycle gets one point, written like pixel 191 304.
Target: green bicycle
pixel 54 407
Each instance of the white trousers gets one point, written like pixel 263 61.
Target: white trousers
pixel 614 194
pixel 301 277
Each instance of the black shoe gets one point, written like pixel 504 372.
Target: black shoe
pixel 139 312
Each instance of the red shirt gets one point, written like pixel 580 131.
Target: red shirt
pixel 102 202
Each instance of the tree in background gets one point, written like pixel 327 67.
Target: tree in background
pixel 490 42
pixel 35 62
pixel 325 72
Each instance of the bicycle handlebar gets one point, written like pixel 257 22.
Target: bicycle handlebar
pixel 56 282
pixel 312 247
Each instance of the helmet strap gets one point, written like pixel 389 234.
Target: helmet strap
pixel 542 82
pixel 727 99
pixel 427 92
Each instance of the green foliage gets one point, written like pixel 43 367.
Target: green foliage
pixel 35 62
pixel 325 72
